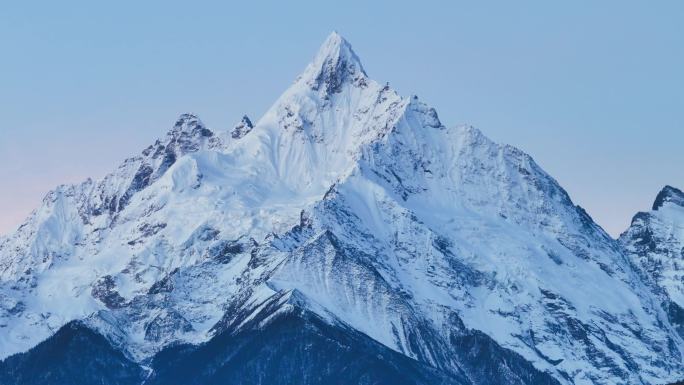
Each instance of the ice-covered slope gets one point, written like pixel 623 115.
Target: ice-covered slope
pixel 432 241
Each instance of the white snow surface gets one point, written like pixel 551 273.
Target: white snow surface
pixel 364 203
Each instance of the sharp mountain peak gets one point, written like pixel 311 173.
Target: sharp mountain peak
pixel 669 194
pixel 335 63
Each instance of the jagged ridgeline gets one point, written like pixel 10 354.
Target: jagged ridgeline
pixel 346 237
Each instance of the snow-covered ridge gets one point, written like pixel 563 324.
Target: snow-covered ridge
pixel 363 203
pixel 655 242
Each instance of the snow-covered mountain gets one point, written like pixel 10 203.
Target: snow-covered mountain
pixel 349 227
pixel 655 242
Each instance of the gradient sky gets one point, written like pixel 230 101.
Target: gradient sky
pixel 594 91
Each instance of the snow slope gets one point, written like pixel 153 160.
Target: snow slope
pixel 381 218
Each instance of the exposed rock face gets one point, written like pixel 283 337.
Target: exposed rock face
pixel 243 128
pixel 105 291
pixel 409 251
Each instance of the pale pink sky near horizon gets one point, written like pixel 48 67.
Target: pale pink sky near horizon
pixel 592 90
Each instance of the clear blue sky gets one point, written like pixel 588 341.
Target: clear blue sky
pixel 592 90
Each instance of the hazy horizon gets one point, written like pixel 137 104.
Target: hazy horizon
pixel 592 91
